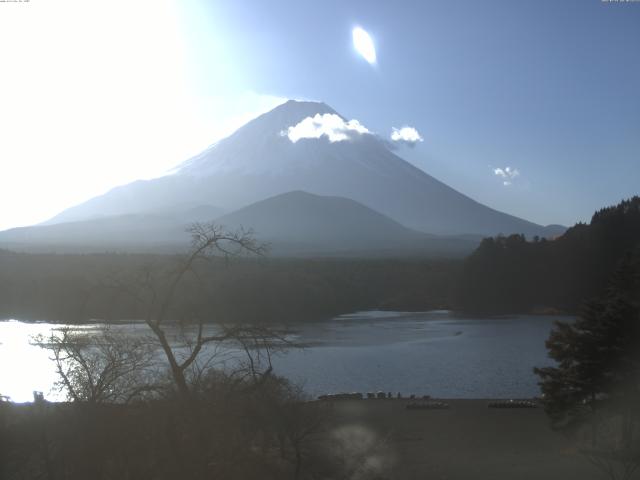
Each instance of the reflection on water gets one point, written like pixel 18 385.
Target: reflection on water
pixel 433 353
pixel 25 366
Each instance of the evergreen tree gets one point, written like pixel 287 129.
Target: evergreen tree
pixel 594 391
pixel 596 359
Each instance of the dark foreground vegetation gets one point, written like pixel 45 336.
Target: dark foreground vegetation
pixel 228 429
pixel 243 435
pixel 513 275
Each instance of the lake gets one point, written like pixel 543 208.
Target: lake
pixel 430 353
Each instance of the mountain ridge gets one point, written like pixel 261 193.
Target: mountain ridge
pixel 293 224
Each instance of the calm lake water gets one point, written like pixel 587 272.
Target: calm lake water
pixel 434 353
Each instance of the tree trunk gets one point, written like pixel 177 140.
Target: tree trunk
pixel 176 372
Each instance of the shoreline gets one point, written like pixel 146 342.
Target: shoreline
pixel 359 314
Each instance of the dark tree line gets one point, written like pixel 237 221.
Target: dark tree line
pixel 510 274
pixel 74 288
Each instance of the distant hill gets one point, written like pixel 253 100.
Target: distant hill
pixel 511 274
pixel 298 223
pixel 259 161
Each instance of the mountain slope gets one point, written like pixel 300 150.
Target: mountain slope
pixel 137 232
pixel 130 233
pixel 259 161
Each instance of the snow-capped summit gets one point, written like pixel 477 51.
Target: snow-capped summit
pixel 244 151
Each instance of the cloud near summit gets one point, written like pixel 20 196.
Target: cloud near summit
pixel 406 135
pixel 329 124
pixel 508 174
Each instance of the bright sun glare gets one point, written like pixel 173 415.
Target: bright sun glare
pixel 98 94
pixel 363 43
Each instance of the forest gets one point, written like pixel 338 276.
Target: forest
pixel 509 274
pixel 77 288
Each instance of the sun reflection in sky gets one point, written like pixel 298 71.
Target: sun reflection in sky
pixel 363 43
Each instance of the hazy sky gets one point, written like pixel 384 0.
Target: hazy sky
pixel 95 94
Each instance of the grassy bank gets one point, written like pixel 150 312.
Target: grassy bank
pixel 255 437
pixel 466 441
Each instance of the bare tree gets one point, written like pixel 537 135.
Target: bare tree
pixel 157 295
pixel 102 366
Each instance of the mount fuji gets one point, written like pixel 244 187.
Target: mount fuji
pixel 296 147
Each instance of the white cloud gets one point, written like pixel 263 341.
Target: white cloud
pixel 508 174
pixel 406 135
pixel 328 124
